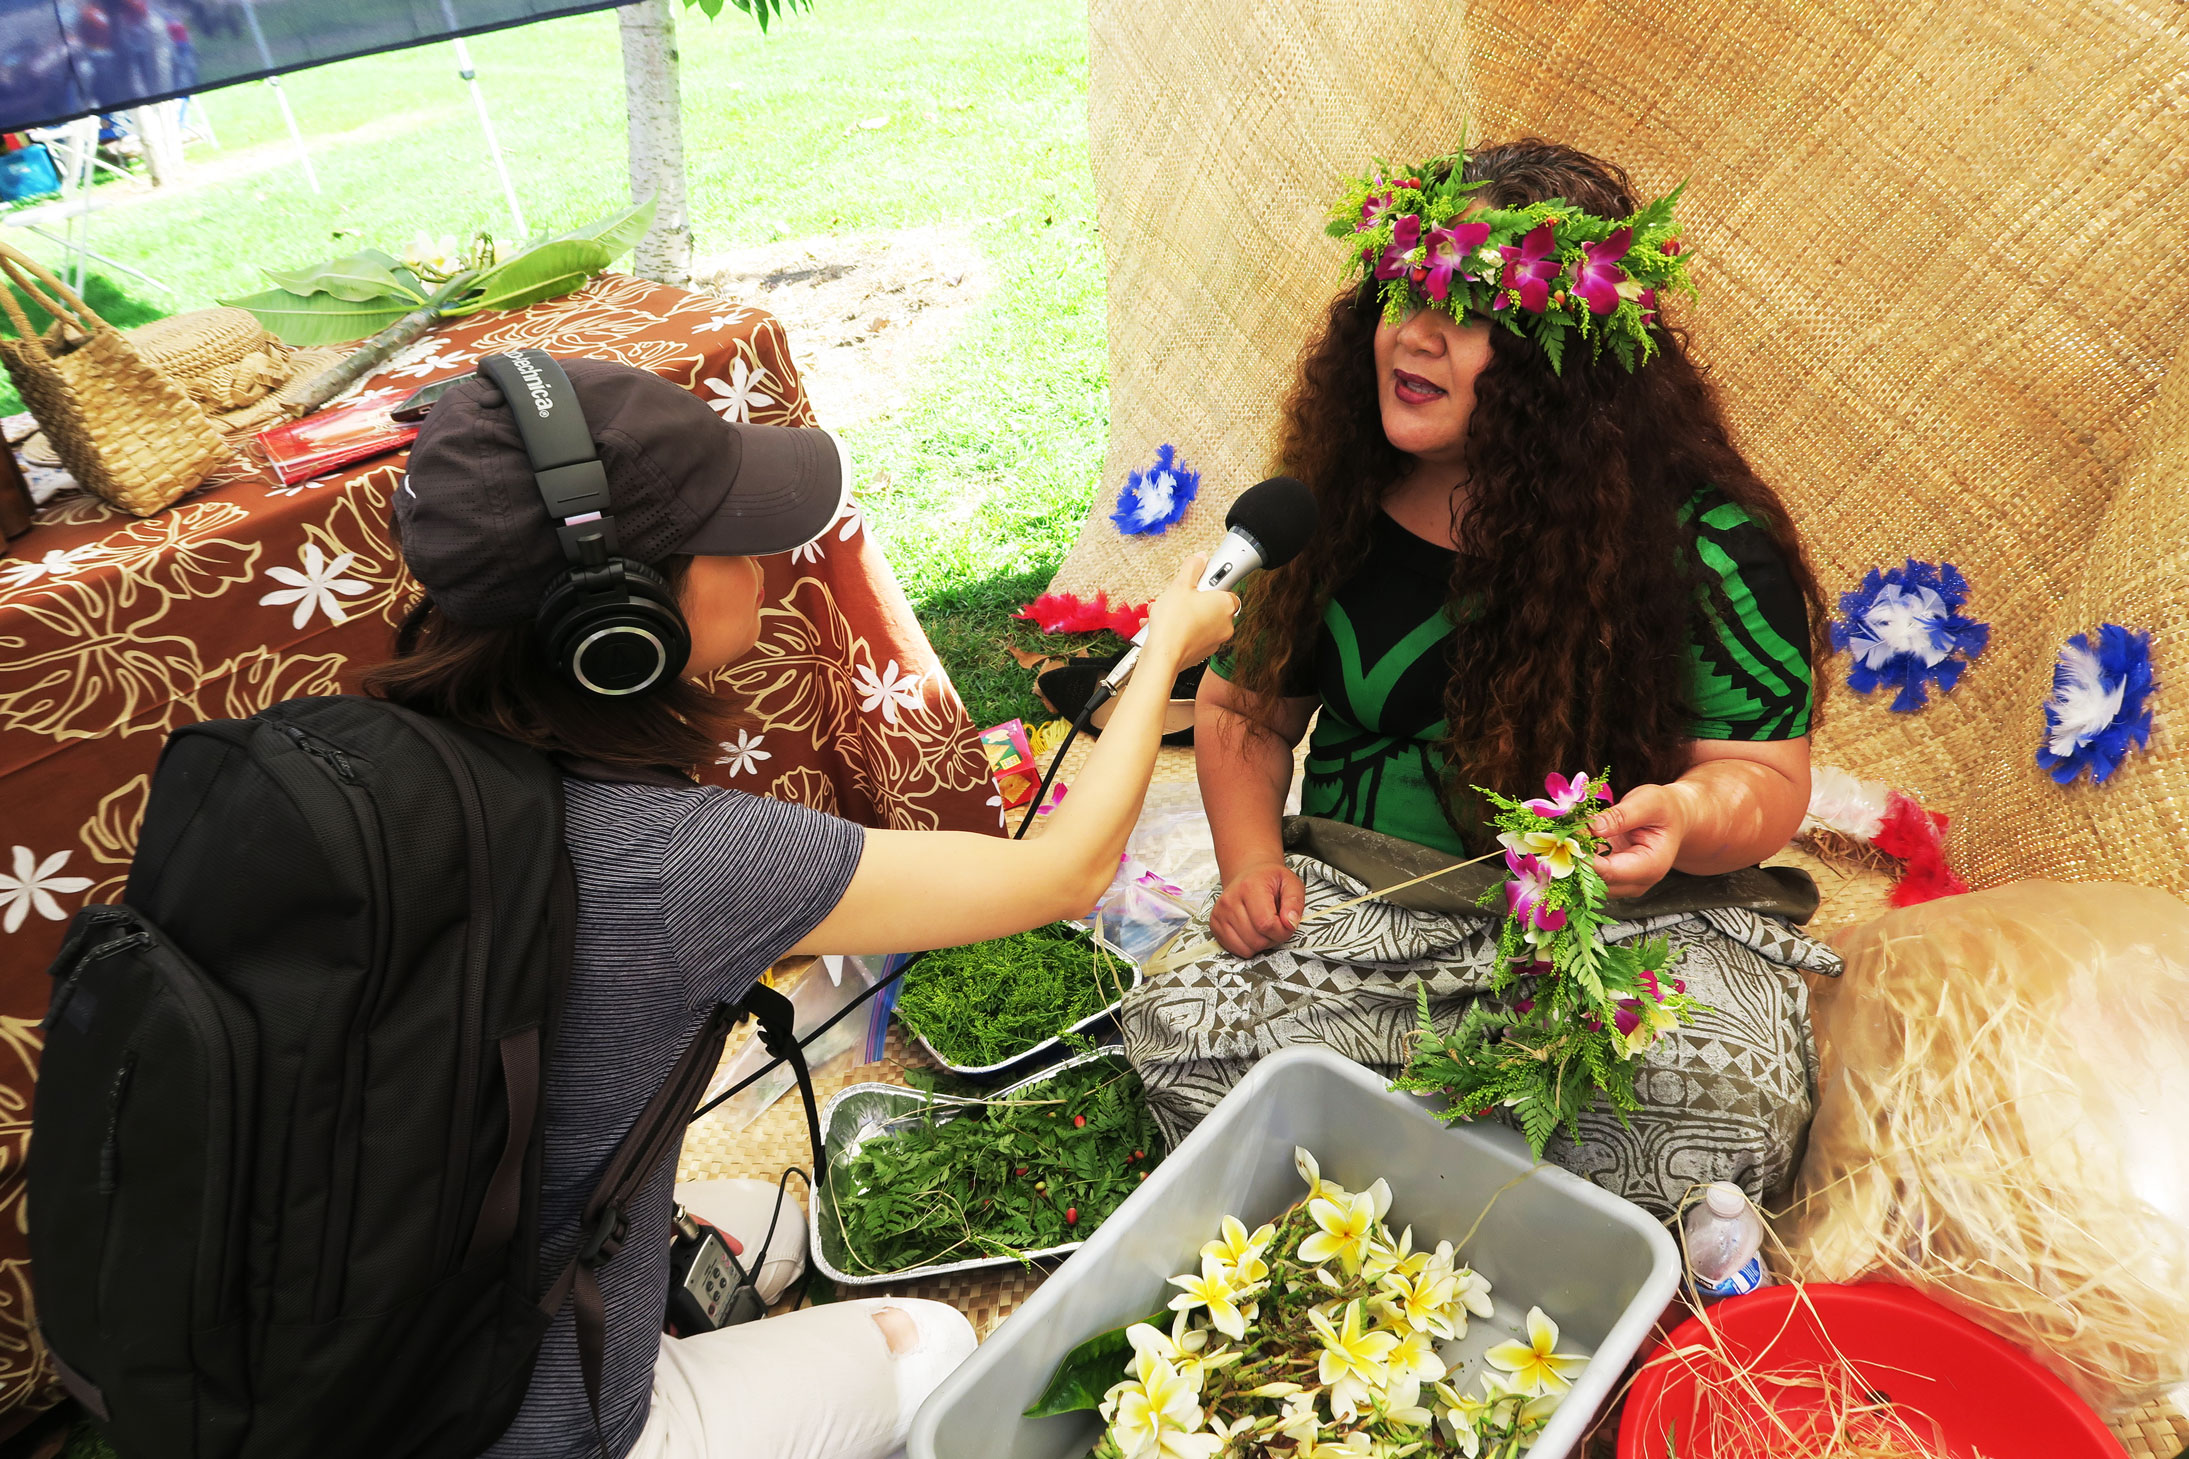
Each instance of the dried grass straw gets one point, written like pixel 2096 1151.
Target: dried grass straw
pixel 2000 1125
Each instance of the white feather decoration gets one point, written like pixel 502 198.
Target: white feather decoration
pixel 2081 704
pixel 1839 802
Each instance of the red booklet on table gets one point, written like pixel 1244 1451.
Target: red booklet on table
pixel 328 439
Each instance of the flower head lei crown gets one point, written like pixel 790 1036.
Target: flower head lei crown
pixel 1548 271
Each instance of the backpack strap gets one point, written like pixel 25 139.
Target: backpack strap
pixel 659 1131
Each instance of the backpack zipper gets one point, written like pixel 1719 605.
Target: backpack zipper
pixel 75 975
pixel 110 1150
pixel 329 755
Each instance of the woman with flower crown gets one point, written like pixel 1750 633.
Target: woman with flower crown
pixel 1540 552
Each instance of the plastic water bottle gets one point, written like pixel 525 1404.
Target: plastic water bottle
pixel 1725 1243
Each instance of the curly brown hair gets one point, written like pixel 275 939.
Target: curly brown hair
pixel 1580 577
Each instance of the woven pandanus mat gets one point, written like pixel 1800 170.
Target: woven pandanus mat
pixel 1922 238
pixel 2156 1431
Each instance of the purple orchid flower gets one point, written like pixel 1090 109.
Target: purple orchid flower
pixel 1526 896
pixel 1404 235
pixel 1448 249
pixel 1564 795
pixel 1597 277
pixel 1529 270
pixel 1628 1017
pixel 1648 301
pixel 1525 1005
pixel 1375 209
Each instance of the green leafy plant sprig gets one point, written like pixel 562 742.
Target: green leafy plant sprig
pixel 369 291
pixel 1002 1177
pixel 986 1002
pixel 1571 1014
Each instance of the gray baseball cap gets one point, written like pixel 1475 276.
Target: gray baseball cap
pixel 681 479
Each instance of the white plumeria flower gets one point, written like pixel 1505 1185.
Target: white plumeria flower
pixel 1347 1227
pixel 1215 1290
pixel 437 254
pixel 1353 1361
pixel 1304 1163
pixel 1412 1363
pixel 1159 1417
pixel 1466 1416
pixel 720 322
pixel 887 691
pixel 316 586
pixel 21 572
pixel 740 393
pixel 743 755
pixel 432 362
pixel 1535 1366
pixel 1186 1349
pixel 33 885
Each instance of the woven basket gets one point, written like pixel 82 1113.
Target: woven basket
pixel 222 358
pixel 122 429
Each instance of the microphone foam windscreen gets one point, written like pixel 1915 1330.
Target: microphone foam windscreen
pixel 1278 513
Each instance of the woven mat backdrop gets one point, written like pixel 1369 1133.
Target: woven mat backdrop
pixel 1935 253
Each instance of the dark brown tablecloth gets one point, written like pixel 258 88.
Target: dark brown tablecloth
pixel 114 630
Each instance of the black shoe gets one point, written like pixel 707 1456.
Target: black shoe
pixel 1068 689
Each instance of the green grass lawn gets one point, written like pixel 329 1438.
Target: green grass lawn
pixel 993 461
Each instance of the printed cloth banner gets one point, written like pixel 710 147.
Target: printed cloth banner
pixel 115 630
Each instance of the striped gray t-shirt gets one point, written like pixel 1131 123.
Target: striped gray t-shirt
pixel 685 895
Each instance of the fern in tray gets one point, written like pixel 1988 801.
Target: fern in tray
pixel 1002 1177
pixel 1571 1014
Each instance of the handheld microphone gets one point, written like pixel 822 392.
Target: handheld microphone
pixel 1266 527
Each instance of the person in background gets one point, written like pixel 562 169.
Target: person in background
pixel 687 893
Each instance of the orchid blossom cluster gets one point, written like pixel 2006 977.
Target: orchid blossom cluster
pixel 1573 1013
pixel 1321 1336
pixel 1546 271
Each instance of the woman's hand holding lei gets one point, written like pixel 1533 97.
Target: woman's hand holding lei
pixel 1643 833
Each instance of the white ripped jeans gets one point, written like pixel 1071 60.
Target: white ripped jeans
pixel 819 1383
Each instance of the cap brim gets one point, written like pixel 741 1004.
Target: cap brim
pixel 791 483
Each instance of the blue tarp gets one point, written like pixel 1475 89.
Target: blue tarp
pixel 61 59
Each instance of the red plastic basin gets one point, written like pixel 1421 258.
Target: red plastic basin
pixel 1985 1395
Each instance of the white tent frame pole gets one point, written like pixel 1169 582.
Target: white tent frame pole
pixel 266 59
pixel 470 73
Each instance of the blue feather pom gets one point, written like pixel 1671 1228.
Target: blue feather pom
pixel 1155 498
pixel 1906 630
pixel 2098 709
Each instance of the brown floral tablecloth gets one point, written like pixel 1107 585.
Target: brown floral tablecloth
pixel 114 630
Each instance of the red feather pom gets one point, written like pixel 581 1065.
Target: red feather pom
pixel 1070 613
pixel 1918 838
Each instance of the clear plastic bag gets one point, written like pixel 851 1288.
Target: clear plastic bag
pixel 2004 1123
pixel 823 987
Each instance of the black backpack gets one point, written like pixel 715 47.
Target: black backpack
pixel 285 1160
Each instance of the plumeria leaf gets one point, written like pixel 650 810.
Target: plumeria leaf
pixel 618 232
pixel 1087 1371
pixel 306 320
pixel 361 277
pixel 543 271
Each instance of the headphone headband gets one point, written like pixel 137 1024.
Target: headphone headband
pixel 571 479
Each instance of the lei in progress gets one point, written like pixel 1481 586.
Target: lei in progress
pixel 1576 1012
pixel 1548 271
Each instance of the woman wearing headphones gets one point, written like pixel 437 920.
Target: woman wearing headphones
pixel 687 893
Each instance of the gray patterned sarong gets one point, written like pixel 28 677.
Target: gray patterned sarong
pixel 1726 1097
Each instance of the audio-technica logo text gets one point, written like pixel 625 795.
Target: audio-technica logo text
pixel 543 402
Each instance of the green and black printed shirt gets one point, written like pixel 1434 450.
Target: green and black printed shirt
pixel 1382 659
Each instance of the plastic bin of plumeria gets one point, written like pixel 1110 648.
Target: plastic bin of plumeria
pixel 1541 1238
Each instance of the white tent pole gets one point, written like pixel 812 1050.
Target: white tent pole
pixel 303 158
pixel 470 73
pixel 266 59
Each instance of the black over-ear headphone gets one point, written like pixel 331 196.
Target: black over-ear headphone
pixel 611 625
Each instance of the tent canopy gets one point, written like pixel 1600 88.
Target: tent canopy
pixel 61 59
